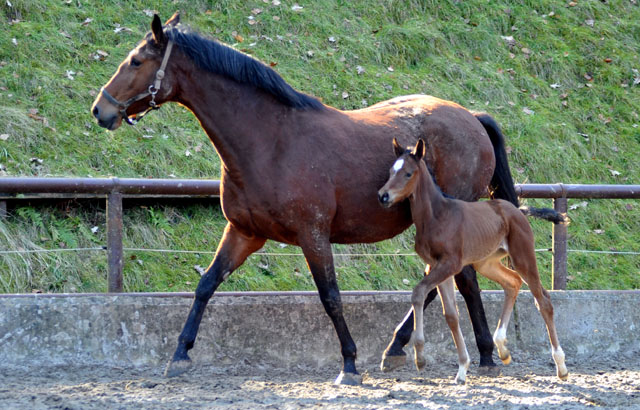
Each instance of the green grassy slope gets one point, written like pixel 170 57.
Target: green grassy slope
pixel 562 79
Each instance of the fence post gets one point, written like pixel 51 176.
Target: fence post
pixel 559 271
pixel 114 241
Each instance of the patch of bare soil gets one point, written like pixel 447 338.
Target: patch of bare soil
pixel 523 384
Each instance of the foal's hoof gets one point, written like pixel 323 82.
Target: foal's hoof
pixel 176 368
pixel 564 376
pixel 489 371
pixel 506 360
pixel 420 362
pixel 390 363
pixel 348 379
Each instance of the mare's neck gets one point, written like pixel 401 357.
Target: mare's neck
pixel 241 121
pixel 427 202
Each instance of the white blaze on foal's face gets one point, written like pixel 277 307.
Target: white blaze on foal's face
pixel 398 166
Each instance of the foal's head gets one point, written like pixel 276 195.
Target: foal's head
pixel 403 175
pixel 142 81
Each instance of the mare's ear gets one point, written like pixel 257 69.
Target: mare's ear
pixel 174 20
pixel 397 148
pixel 156 30
pixel 419 149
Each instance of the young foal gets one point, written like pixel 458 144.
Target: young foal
pixel 451 234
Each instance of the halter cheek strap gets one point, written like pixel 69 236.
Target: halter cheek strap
pixel 151 91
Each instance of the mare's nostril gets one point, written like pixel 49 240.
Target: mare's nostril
pixel 96 112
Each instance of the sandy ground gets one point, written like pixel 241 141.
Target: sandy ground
pixel 524 384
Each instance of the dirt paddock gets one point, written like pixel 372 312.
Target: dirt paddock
pixel 524 384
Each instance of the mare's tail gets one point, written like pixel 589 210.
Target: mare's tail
pixel 547 214
pixel 501 182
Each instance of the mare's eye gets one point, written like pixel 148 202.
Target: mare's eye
pixel 408 174
pixel 135 62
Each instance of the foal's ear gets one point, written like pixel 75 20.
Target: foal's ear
pixel 419 149
pixel 156 30
pixel 397 148
pixel 174 20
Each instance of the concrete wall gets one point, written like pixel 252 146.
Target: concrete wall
pixel 288 329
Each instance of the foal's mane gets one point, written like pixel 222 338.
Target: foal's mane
pixel 219 58
pixel 432 175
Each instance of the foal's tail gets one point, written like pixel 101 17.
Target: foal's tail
pixel 547 214
pixel 501 182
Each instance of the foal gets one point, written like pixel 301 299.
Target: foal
pixel 451 234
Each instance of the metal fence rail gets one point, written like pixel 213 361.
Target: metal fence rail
pixel 115 188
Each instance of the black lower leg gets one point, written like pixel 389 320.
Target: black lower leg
pixel 468 286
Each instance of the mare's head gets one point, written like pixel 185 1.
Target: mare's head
pixel 142 81
pixel 403 175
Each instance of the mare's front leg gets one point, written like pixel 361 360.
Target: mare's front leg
pixel 232 251
pixel 317 251
pixel 448 298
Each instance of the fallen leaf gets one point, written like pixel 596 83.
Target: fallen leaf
pixel 390 68
pixel 276 18
pixel 276 2
pixel 296 7
pixel 359 69
pixel 87 21
pixel 65 34
pixel 555 85
pixel 256 11
pixel 345 95
pixel 310 53
pixel 94 229
pixel 607 60
pixel 4 137
pixel 628 207
pixel 332 39
pixel 598 231
pixel 14 41
pixel 526 50
pixel 406 281
pixel 528 111
pixel 582 204
pixel 614 172
pixel 273 64
pixel 149 13
pixel 187 153
pixel 238 38
pixel 589 22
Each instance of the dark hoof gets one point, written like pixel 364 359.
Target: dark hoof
pixel 489 371
pixel 348 379
pixel 176 368
pixel 390 363
pixel 487 362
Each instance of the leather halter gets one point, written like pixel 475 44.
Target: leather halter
pixel 151 91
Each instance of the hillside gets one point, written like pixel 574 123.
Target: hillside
pixel 562 79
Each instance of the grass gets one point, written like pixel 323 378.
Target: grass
pixel 561 78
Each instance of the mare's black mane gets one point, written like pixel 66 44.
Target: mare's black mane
pixel 218 58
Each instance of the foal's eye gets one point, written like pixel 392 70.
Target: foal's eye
pixel 135 62
pixel 408 174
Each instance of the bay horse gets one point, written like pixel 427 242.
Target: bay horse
pixel 450 234
pixel 288 172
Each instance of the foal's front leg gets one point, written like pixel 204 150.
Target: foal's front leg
pixel 448 298
pixel 435 277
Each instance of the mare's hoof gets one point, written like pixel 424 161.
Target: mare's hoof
pixel 176 368
pixel 506 360
pixel 348 379
pixel 390 363
pixel 489 371
pixel 421 362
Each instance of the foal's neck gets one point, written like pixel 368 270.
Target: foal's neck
pixel 427 201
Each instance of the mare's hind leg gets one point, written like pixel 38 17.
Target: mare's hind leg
pixel 448 297
pixel 320 261
pixel 511 283
pixel 232 252
pixel 394 355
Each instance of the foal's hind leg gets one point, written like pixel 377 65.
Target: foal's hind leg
pixel 524 262
pixel 448 297
pixel 511 283
pixel 232 251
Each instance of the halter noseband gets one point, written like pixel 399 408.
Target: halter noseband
pixel 151 91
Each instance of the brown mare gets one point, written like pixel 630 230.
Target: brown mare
pixel 451 234
pixel 289 172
